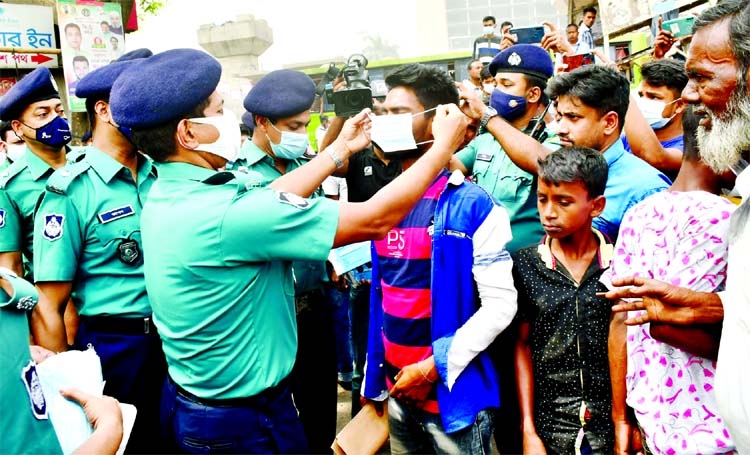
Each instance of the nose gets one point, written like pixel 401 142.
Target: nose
pixel 547 211
pixel 690 93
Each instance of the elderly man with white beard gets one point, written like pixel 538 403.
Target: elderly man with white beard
pixel 719 69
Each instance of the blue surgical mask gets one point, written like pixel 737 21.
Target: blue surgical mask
pixel 56 133
pixel 292 145
pixel 509 107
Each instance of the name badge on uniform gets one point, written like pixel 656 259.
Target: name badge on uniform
pixel 368 171
pixel 30 379
pixel 484 157
pixel 53 226
pixel 2 218
pixel 116 214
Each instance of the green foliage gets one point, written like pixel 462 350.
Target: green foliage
pixel 150 6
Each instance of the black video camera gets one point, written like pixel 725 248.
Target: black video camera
pixel 357 95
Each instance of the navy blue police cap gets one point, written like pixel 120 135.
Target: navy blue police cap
pixel 248 120
pixel 280 94
pixel 36 86
pixel 98 83
pixel 163 87
pixel 523 58
pixel 134 54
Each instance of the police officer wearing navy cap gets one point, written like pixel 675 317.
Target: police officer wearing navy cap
pixel 280 104
pixel 36 114
pixel 521 72
pixel 96 257
pixel 218 245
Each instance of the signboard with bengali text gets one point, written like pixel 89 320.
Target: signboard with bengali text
pixel 27 27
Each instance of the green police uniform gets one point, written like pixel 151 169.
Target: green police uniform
pixel 308 275
pixel 491 168
pixel 219 280
pixel 25 424
pixel 87 231
pixel 23 182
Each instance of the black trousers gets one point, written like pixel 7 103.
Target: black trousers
pixel 314 385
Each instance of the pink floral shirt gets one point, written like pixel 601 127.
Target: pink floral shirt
pixel 680 238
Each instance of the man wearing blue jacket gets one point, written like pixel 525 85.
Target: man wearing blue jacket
pixel 442 290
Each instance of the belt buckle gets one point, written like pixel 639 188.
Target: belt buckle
pixel 146 325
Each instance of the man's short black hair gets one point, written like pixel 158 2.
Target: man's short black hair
pixel 534 81
pixel 506 23
pixel 489 18
pixel 4 128
pixel 597 86
pixel 80 58
pixel 158 141
pixel 571 25
pixel 666 72
pixel 486 73
pixel 576 164
pixel 71 25
pixel 589 9
pixel 468 65
pixel 432 85
pixel 104 22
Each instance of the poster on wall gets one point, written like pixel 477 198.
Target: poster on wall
pixel 92 36
pixel 30 27
pixel 619 14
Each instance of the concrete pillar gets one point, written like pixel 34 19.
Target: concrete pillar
pixel 237 44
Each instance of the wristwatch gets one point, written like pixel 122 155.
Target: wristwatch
pixel 488 114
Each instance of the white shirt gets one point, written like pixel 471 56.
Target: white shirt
pixel 733 366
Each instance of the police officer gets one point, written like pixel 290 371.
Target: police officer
pixel 36 114
pixel 521 72
pixel 218 247
pixel 88 246
pixel 280 104
pixel 25 419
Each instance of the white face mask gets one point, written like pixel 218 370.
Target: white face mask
pixel 488 29
pixel 488 88
pixel 227 145
pixel 16 151
pixel 393 133
pixel 652 110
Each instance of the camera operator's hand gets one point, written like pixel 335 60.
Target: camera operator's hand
pixel 663 42
pixel 472 106
pixel 449 128
pixel 355 134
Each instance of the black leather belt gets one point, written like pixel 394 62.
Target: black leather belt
pixel 258 399
pixel 124 326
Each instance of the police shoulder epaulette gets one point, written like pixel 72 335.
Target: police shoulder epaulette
pixel 219 178
pixel 61 179
pixel 9 172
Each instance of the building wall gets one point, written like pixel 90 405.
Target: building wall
pixel 464 17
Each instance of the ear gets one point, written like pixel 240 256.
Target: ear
pixel 261 122
pixel 611 123
pixel 17 127
pixel 185 135
pixel 597 206
pixel 535 94
pixel 101 108
pixel 679 107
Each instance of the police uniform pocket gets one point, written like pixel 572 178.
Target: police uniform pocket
pixel 120 240
pixel 511 187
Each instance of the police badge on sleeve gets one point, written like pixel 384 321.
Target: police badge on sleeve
pixel 53 226
pixel 2 218
pixel 30 379
pixel 292 199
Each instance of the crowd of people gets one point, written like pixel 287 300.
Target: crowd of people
pixel 554 263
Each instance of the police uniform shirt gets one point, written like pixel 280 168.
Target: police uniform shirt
pixel 308 275
pixel 367 174
pixel 217 272
pixel 491 168
pixel 87 230
pixel 24 420
pixel 23 182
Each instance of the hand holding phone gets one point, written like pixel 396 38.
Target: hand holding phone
pixel 528 35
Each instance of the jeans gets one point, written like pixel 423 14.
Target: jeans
pixel 339 301
pixel 359 315
pixel 267 424
pixel 414 431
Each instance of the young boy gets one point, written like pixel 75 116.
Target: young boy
pixel 561 352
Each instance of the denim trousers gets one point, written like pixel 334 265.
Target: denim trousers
pixel 414 431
